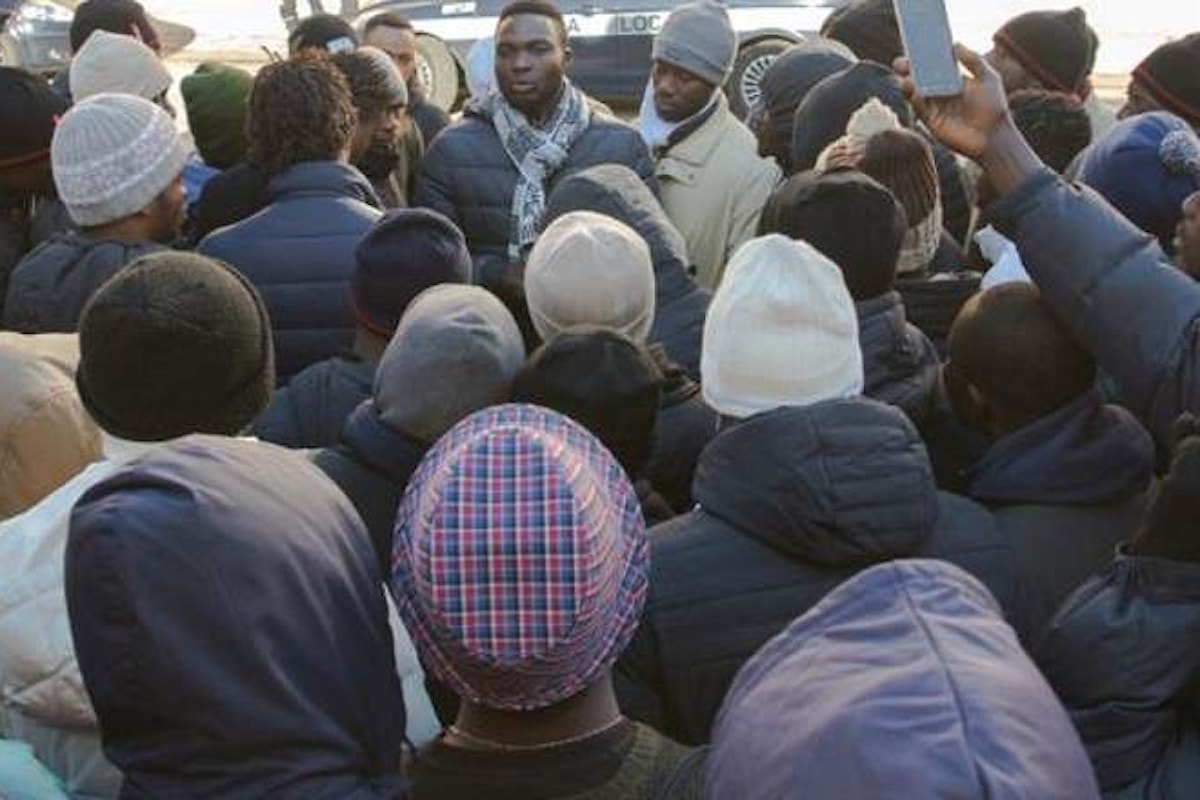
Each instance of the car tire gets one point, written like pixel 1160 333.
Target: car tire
pixel 748 68
pixel 438 72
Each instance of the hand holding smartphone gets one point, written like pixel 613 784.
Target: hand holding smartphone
pixel 929 45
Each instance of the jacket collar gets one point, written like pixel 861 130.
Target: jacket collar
pixel 1085 453
pixel 380 447
pixel 322 178
pixel 691 147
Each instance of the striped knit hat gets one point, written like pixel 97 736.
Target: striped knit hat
pixel 112 154
pixel 521 559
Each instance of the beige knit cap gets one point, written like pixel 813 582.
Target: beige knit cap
pixel 589 269
pixel 113 62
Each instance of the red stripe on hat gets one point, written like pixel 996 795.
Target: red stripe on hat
pixel 1165 98
pixel 1030 63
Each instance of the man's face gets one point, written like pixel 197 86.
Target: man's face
pixel 376 129
pixel 1012 74
pixel 1137 101
pixel 1187 237
pixel 400 44
pixel 678 94
pixel 167 212
pixel 531 64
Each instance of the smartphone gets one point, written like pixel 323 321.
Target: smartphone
pixel 925 30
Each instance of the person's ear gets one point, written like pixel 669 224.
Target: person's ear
pixel 568 56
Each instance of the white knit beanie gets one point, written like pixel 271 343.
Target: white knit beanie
pixel 589 269
pixel 781 331
pixel 113 62
pixel 112 155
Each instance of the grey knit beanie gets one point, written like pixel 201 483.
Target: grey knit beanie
pixel 456 351
pixel 698 37
pixel 112 154
pixel 113 62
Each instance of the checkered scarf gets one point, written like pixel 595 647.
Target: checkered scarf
pixel 538 153
pixel 521 559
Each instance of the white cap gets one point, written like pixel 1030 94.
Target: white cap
pixel 781 331
pixel 111 155
pixel 113 62
pixel 589 269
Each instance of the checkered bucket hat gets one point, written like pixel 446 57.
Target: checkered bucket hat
pixel 521 558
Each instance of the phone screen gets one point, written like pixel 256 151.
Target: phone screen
pixel 925 29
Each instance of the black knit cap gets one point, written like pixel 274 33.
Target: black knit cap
pixel 821 119
pixel 29 113
pixel 787 82
pixel 1056 47
pixel 406 251
pixel 852 219
pixel 604 381
pixel 1171 75
pixel 175 343
pixel 869 28
pixel 1171 528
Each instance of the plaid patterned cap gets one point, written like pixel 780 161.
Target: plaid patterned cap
pixel 521 558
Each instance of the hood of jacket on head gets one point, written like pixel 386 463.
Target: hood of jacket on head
pixel 789 80
pixel 822 118
pixel 1085 453
pixel 231 627
pixel 905 681
pixel 839 483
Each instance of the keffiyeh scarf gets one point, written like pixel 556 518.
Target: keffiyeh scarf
pixel 537 153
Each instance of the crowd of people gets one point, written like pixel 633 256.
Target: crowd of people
pixel 348 450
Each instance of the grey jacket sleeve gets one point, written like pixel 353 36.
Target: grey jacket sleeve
pixel 1113 288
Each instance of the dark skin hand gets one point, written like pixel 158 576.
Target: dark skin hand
pixel 531 65
pixel 678 94
pixel 976 123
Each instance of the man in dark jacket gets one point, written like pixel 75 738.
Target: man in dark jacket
pixel 901 365
pixel 1064 473
pixel 1106 281
pixel 1119 652
pixel 394 34
pixel 117 161
pixel 610 385
pixel 592 269
pixel 539 120
pixel 405 252
pixel 457 350
pixel 380 107
pixel 806 484
pixel 30 211
pixel 299 251
pixel 249 606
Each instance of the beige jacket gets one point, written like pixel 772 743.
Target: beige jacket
pixel 714 187
pixel 45 435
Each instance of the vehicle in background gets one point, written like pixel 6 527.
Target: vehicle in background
pixel 36 34
pixel 611 40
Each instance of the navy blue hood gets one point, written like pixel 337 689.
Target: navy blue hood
pixel 903 682
pixel 900 364
pixel 1086 453
pixel 230 624
pixel 839 483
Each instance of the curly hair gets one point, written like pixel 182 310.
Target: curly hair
pixel 300 110
pixel 370 86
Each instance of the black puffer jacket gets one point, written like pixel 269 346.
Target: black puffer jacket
pixel 680 305
pixel 468 176
pixel 791 503
pixel 49 287
pixel 1122 655
pixel 900 364
pixel 313 408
